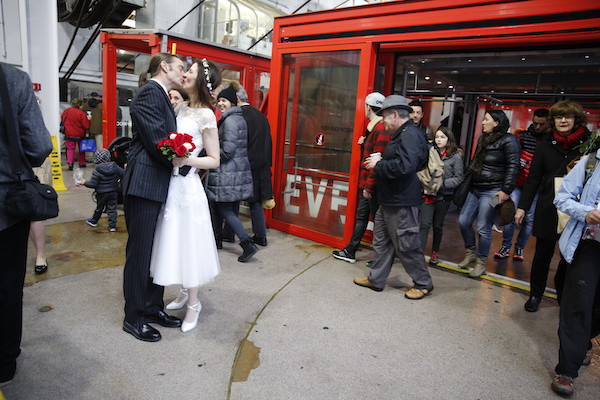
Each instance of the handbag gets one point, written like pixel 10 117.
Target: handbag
pixel 28 200
pixel 87 143
pixel 462 191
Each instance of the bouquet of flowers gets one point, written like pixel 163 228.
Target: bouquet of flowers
pixel 176 145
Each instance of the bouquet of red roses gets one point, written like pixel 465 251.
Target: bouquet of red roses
pixel 176 145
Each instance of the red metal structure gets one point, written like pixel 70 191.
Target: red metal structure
pixel 247 67
pixel 325 63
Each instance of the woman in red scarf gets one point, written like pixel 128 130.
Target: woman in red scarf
pixel 552 156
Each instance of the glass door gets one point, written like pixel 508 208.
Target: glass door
pixel 312 187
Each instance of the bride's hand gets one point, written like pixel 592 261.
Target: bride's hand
pixel 180 161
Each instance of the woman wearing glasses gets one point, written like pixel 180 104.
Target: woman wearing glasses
pixel 552 157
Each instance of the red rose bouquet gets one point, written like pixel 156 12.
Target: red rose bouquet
pixel 176 145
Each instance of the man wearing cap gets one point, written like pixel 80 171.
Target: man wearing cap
pixel 399 195
pixel 375 140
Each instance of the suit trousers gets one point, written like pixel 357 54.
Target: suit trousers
pixel 142 296
pixel 396 232
pixel 579 308
pixel 13 247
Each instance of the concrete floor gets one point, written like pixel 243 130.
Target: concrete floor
pixel 290 324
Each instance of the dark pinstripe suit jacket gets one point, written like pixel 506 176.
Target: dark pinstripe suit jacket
pixel 148 170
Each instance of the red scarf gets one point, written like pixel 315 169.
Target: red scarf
pixel 569 141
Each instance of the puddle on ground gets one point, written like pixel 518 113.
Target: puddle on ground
pixel 248 360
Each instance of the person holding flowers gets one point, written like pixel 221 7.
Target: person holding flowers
pixel 184 251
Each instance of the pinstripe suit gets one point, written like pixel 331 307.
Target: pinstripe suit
pixel 145 186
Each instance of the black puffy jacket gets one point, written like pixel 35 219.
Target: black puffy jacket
pixel 500 165
pixel 105 178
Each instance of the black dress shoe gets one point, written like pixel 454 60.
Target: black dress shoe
pixel 142 332
pixel 261 241
pixel 164 319
pixel 533 304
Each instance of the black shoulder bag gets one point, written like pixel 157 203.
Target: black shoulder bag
pixel 28 200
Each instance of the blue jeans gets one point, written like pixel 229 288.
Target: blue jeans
pixel 526 227
pixel 477 207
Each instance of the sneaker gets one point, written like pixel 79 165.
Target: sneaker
pixel 563 385
pixel 502 253
pixel 587 360
pixel 344 255
pixel 434 260
pixel 91 222
pixel 496 229
pixel 112 229
pixel 369 264
pixel 365 282
pixel 417 294
pixel 518 256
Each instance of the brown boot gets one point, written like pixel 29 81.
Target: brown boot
pixel 479 267
pixel 469 257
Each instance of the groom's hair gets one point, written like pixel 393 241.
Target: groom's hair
pixel 154 67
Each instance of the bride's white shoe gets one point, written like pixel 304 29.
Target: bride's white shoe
pixel 175 305
pixel 188 326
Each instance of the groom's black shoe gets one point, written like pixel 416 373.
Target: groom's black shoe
pixel 164 319
pixel 142 332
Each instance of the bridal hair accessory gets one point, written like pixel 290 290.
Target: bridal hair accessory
pixel 207 74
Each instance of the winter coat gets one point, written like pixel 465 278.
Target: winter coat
pixel 105 178
pixel 453 173
pixel 232 180
pixel 396 172
pixel 259 152
pixel 500 165
pixel 75 122
pixel 549 160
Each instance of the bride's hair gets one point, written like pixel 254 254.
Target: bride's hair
pixel 208 79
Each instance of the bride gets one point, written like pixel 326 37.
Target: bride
pixel 184 249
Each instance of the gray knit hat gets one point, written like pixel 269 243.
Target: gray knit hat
pixel 101 156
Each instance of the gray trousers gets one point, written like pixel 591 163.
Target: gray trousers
pixel 396 232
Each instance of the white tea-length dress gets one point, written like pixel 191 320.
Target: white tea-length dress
pixel 184 250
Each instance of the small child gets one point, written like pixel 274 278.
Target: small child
pixel 105 179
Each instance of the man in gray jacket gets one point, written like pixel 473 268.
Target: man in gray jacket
pixel 34 144
pixel 396 229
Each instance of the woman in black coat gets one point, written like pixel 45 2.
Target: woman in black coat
pixel 552 156
pixel 494 172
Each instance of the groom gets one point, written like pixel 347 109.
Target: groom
pixel 145 186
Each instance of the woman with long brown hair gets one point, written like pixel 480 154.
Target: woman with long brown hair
pixel 184 250
pixel 434 208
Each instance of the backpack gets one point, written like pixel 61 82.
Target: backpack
pixel 432 176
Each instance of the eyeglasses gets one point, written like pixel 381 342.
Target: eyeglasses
pixel 567 117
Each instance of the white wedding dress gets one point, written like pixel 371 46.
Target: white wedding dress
pixel 184 250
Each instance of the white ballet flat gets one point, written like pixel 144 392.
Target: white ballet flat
pixel 174 305
pixel 188 326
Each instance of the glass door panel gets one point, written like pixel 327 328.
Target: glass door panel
pixel 319 124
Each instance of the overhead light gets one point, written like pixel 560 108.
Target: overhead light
pixel 439 82
pixel 522 58
pixel 422 61
pixel 525 91
pixel 411 72
pixel 469 60
pixel 450 86
pixel 427 78
pixel 587 56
